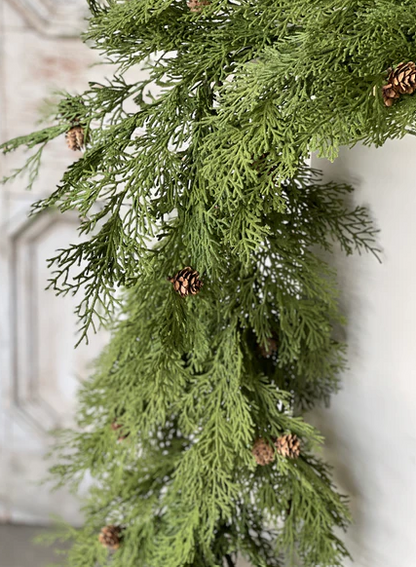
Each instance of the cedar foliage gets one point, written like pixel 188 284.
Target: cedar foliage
pixel 209 171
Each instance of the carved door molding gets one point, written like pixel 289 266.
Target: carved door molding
pixel 39 369
pixel 60 18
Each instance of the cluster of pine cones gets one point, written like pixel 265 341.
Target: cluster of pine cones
pixel 286 446
pixel 401 80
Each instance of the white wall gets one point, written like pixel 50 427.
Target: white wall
pixel 371 425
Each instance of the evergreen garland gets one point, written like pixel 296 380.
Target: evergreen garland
pixel 209 173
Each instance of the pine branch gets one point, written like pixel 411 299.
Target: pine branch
pixel 208 170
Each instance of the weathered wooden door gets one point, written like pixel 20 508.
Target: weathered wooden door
pixel 39 369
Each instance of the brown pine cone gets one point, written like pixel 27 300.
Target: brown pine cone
pixel 389 95
pixel 197 5
pixel 263 452
pixel 262 164
pixel 75 138
pixel 115 426
pixel 186 282
pixel 401 80
pixel 110 536
pixel 269 348
pixel 288 446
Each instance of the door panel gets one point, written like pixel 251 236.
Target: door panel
pixel 39 368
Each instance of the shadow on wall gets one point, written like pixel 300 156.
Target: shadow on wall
pixel 371 424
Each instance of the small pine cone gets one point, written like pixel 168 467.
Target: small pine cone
pixel 75 138
pixel 269 348
pixel 186 282
pixel 401 80
pixel 389 95
pixel 262 164
pixel 115 426
pixel 263 452
pixel 288 446
pixel 197 5
pixel 110 536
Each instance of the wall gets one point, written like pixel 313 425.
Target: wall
pixel 39 370
pixel 370 427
